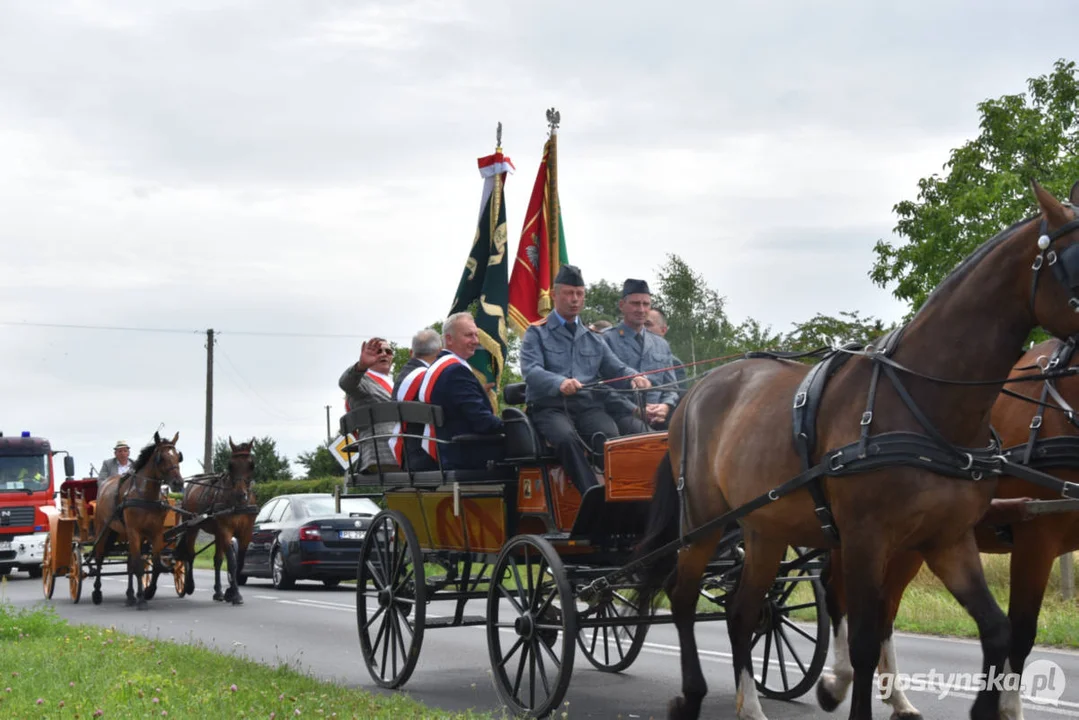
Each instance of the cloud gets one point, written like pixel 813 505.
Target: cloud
pixel 310 168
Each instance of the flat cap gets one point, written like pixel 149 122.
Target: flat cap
pixel 569 275
pixel 633 287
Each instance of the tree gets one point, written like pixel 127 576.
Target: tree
pixel 698 327
pixel 986 186
pixel 601 303
pixel 268 464
pixel 320 462
pixel 824 330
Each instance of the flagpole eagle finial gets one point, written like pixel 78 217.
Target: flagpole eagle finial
pixel 553 119
pixel 498 138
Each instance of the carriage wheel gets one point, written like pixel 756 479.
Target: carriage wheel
pixel 74 574
pixel 179 575
pixel 613 648
pixel 794 626
pixel 391 599
pixel 48 577
pixel 531 626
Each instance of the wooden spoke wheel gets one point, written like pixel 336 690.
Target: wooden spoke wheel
pixel 614 645
pixel 794 628
pixel 179 575
pixel 391 601
pixel 531 626
pixel 48 576
pixel 74 574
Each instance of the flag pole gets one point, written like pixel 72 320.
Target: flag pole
pixel 554 118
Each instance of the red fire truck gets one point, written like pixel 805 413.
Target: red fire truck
pixel 26 485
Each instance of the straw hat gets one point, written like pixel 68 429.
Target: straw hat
pixel 121 444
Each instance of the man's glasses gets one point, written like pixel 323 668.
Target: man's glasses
pixel 385 351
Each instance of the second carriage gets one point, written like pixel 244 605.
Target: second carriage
pixel 552 570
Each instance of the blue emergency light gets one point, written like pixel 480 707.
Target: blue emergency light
pixel 26 433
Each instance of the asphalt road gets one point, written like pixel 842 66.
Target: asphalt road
pixel 314 629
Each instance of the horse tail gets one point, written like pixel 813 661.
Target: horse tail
pixel 662 527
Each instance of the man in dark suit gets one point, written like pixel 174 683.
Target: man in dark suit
pixel 450 382
pixel 426 344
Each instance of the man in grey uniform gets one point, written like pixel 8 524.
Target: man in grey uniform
pixel 558 357
pixel 644 350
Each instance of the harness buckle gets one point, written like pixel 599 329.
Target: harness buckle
pixel 867 417
pixel 773 495
pixel 834 463
pixel 976 475
pixel 1050 258
pixel 970 462
pixel 1070 490
pixel 799 400
pixel 1036 422
pixel 1037 263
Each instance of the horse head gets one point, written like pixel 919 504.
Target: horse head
pixel 1055 302
pixel 161 461
pixel 242 466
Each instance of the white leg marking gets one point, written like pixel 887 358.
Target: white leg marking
pixel 889 693
pixel 748 704
pixel 837 682
pixel 1011 703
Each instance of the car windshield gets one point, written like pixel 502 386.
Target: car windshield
pixel 314 507
pixel 20 473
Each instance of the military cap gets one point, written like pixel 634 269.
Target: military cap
pixel 569 275
pixel 633 287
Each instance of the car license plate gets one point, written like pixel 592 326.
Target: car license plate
pixel 351 534
pixel 4 545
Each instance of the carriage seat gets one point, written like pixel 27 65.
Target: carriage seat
pixel 416 413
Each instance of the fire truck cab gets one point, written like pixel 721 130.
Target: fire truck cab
pixel 26 485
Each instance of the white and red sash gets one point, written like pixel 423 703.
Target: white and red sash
pixel 426 389
pixel 409 390
pixel 384 381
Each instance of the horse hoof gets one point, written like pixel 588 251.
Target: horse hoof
pixel 129 601
pixel 827 701
pixel 149 592
pixel 218 597
pixel 237 600
pixel 679 710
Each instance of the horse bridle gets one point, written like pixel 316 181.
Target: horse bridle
pixel 1065 265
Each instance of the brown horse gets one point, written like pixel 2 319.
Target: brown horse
pixel 216 497
pixel 1034 544
pixel 132 504
pixel 731 444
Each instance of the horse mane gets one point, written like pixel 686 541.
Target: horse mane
pixel 144 457
pixel 970 261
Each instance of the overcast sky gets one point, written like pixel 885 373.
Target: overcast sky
pixel 310 167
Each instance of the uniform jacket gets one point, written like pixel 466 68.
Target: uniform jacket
pixel 550 354
pixel 653 355
pixel 363 389
pixel 465 410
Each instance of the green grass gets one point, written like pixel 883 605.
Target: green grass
pixel 50 669
pixel 927 607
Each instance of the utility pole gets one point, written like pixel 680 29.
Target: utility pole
pixel 329 437
pixel 208 451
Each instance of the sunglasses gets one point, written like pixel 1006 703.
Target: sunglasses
pixel 385 351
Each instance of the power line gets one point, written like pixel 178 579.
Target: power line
pixel 253 333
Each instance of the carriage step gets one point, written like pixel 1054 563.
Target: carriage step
pixel 449 621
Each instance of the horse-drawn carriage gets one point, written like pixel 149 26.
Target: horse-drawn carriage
pixel 520 538
pixel 892 456
pixel 69 547
pixel 89 533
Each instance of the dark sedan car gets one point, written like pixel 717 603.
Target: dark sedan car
pixel 300 537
